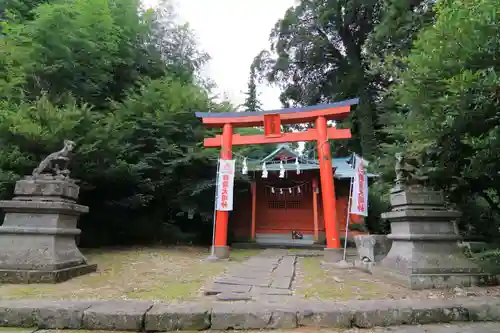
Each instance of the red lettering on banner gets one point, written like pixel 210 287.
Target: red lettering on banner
pixel 225 183
pixel 224 191
pixel 227 168
pixel 225 177
pixel 361 189
pixel 223 204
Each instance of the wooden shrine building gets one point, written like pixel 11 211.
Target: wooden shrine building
pixel 288 210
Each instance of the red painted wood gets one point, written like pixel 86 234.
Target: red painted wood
pixel 337 113
pixel 315 208
pixel 327 185
pixel 309 135
pixel 222 217
pixel 272 125
pixel 241 221
pixel 284 220
pixel 254 209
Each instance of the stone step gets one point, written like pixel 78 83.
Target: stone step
pixel 217 288
pixel 133 315
pixel 244 282
pixel 491 327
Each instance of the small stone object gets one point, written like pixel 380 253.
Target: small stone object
pixel 459 292
pixel 230 297
pixel 372 248
pixel 364 266
pixel 337 279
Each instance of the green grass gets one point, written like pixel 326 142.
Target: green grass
pixel 319 283
pixel 175 273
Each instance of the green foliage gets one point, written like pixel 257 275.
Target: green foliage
pixel 62 43
pixel 123 84
pixel 94 50
pixel 488 260
pixel 447 104
pixel 357 227
pixel 21 10
pixel 316 56
pixel 399 25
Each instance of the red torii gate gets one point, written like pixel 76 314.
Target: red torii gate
pixel 272 121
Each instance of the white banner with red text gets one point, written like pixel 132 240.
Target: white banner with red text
pixel 359 195
pixel 225 185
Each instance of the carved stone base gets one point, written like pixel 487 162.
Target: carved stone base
pixel 221 252
pixel 46 188
pixel 424 252
pixel 37 238
pixel 434 281
pixel 37 276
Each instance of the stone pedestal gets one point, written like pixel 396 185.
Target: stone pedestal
pixel 220 252
pixel 424 252
pixel 372 248
pixel 37 238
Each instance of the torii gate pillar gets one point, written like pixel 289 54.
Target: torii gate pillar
pixel 333 250
pixel 220 248
pixel 272 121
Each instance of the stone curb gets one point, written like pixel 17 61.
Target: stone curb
pixel 136 316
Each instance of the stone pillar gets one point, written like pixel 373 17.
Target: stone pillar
pixel 37 238
pixel 424 252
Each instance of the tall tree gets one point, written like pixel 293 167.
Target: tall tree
pixel 252 102
pixel 447 100
pixel 317 56
pixel 99 50
pixel 399 25
pixel 124 84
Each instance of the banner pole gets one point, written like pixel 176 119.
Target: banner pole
pixel 215 207
pixel 348 215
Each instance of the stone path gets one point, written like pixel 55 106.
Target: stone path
pixel 270 273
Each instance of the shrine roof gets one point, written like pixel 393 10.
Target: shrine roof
pixel 341 164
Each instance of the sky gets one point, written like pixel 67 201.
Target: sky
pixel 233 32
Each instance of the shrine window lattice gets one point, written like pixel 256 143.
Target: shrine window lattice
pixel 282 204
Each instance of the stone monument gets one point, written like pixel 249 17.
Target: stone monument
pixel 425 252
pixel 37 238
